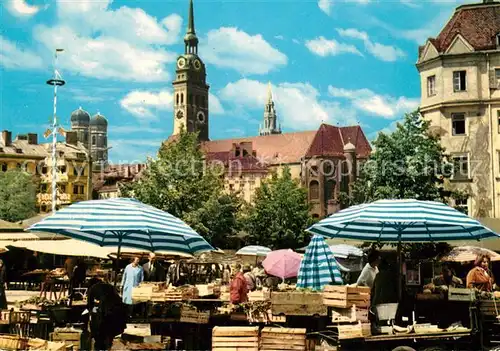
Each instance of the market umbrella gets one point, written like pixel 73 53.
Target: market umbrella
pixel 318 267
pixel 124 223
pixel 282 263
pixel 401 221
pixel 254 250
pixel 469 254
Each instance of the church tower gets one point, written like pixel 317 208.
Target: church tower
pixel 270 118
pixel 190 87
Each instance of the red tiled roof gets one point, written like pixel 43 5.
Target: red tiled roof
pixel 479 24
pixel 292 147
pixel 238 164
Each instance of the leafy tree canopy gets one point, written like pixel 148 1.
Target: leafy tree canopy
pixel 179 182
pixel 280 213
pixel 17 195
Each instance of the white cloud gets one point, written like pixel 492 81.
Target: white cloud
pixel 105 57
pixel 20 8
pixel 229 47
pixel 325 47
pixel 146 105
pixel 13 57
pixel 325 6
pixel 279 37
pixel 383 52
pixel 299 105
pixel 381 105
pixel 215 106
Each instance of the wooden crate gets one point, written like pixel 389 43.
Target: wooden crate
pixel 194 316
pixel 260 295
pixel 298 303
pixel 235 339
pixel 20 317
pixel 354 331
pixel 274 339
pixel 266 318
pixel 460 294
pixel 225 296
pixel 349 315
pixel 4 316
pixel 346 296
pixel 67 337
pixel 13 342
pixel 488 310
pixel 142 293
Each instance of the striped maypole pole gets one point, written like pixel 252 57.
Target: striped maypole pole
pixel 56 81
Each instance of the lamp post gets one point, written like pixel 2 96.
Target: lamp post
pixel 55 81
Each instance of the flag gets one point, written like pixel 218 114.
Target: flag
pixel 47 133
pixel 61 131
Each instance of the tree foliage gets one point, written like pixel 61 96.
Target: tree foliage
pixel 17 195
pixel 280 213
pixel 179 182
pixel 408 163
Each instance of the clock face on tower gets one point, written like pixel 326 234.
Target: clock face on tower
pixel 197 64
pixel 181 62
pixel 179 114
pixel 201 117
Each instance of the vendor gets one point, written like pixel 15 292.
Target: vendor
pixel 132 277
pixel 370 271
pixel 446 279
pixel 250 278
pixel 238 290
pixel 480 277
pixel 153 271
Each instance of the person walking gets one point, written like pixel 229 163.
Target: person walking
pixel 132 277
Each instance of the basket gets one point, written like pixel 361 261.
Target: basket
pixel 386 311
pixel 13 342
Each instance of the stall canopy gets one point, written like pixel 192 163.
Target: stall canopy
pixel 68 247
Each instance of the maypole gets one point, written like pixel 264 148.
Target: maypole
pixel 56 81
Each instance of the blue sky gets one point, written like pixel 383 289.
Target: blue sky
pixel 338 62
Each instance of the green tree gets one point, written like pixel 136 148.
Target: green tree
pixel 408 163
pixel 179 182
pixel 17 195
pixel 280 213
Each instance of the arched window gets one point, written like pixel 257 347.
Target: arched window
pixel 177 99
pixel 182 98
pixel 3 167
pixel 314 190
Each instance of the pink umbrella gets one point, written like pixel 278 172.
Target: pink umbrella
pixel 282 263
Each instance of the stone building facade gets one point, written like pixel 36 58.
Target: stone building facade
pixel 460 87
pixel 322 160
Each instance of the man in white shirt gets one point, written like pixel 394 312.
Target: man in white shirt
pixel 370 270
pixel 153 271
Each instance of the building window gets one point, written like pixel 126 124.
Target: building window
pixel 498 120
pixel 43 188
pixel 94 140
pixel 462 205
pixel 498 40
pixel 44 170
pixel 3 167
pixel 182 98
pixel 431 86
pixel 177 99
pixel 61 169
pixel 459 80
pixel 314 190
pixel 62 188
pixel 497 75
pixel 460 166
pixel 458 123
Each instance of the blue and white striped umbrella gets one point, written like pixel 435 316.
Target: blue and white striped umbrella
pixel 127 223
pixel 318 267
pixel 401 221
pixel 254 250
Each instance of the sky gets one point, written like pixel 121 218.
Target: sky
pixel 337 62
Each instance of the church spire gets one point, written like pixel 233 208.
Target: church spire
pixel 190 39
pixel 270 118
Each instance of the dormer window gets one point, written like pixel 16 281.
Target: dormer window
pixel 498 40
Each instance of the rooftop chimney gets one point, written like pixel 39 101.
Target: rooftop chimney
pixel 71 138
pixel 32 138
pixel 22 137
pixel 7 137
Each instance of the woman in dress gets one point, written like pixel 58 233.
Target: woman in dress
pixel 132 277
pixel 480 276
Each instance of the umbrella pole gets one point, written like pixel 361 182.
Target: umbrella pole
pixel 400 273
pixel 117 267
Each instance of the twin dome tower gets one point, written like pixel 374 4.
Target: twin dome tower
pixel 93 131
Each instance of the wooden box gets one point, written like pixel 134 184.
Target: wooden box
pixel 273 339
pixel 354 331
pixel 267 317
pixel 4 317
pixel 488 310
pixel 13 342
pixel 346 296
pixel 20 317
pixel 235 339
pixel 296 303
pixel 67 337
pixel 194 316
pixel 349 315
pixel 260 295
pixel 460 294
pixel 142 293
